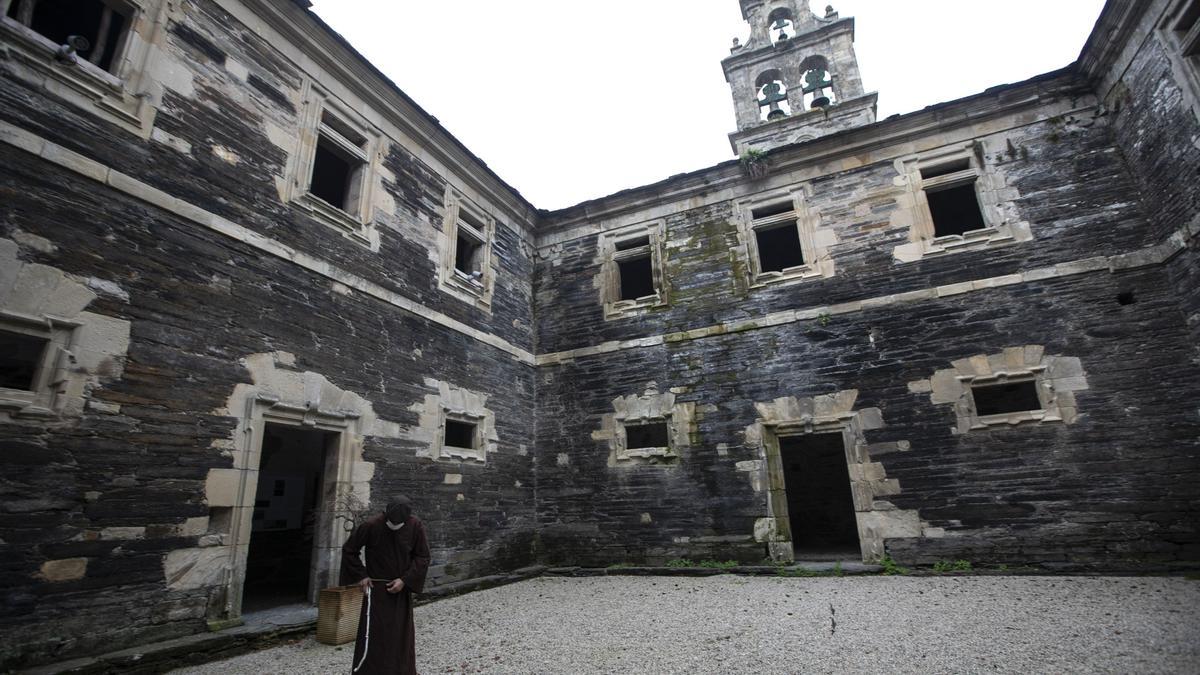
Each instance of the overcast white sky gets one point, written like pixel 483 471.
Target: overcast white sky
pixel 568 101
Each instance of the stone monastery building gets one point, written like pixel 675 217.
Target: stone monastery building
pixel 247 285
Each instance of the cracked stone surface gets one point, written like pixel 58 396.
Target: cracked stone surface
pixel 729 624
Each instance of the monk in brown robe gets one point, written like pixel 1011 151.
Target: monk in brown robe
pixel 397 558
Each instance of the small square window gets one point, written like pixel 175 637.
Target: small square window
pixel 1006 398
pixel 955 209
pixel 20 360
pixel 779 248
pixel 460 434
pixel 644 436
pixel 338 165
pixel 101 24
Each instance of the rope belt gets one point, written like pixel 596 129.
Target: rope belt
pixel 367 632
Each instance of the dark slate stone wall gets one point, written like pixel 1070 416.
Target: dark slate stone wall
pixel 1075 192
pixel 1157 130
pixel 1118 487
pixel 1115 488
pixel 198 302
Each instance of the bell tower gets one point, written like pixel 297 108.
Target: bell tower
pixel 796 78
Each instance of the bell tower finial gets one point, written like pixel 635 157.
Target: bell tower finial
pixel 796 78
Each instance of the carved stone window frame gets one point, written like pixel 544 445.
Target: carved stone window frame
pixel 650 407
pixel 44 398
pixel 815 241
pixel 609 278
pixel 1180 39
pixel 477 452
pixel 120 95
pixel 459 212
pixel 1056 379
pixel 357 223
pixel 1000 228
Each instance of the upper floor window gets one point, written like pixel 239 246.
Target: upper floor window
pixel 631 268
pixel 93 53
pixel 83 29
pixel 783 240
pixel 468 234
pixel 951 195
pixel 335 167
pixel 955 203
pixel 338 165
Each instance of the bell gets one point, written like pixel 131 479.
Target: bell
pixel 781 25
pixel 775 114
pixel 820 100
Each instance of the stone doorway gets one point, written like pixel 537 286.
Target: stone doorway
pixel 820 503
pixel 290 497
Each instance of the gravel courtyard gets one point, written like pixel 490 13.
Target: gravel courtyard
pixel 730 624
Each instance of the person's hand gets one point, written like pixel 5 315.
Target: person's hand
pixel 395 586
pixel 365 585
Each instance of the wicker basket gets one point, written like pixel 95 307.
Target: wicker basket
pixel 338 609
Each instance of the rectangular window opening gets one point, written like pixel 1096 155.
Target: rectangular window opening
pixel 651 435
pixel 332 175
pixel 1002 399
pixel 459 435
pixel 637 278
pixel 779 248
pixel 20 358
pixel 467 258
pixel 955 210
pixel 101 23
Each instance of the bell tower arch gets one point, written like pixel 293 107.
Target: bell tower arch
pixel 796 78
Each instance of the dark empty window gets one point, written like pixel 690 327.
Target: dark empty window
pixel 338 165
pixel 100 23
pixel 653 435
pixel 955 209
pixel 1010 397
pixel 779 248
pixel 635 268
pixel 20 358
pixel 460 434
pixel 637 278
pixel 331 174
pixel 466 255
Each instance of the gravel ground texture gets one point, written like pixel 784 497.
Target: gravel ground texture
pixel 731 624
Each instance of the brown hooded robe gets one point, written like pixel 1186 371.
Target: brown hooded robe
pixel 403 554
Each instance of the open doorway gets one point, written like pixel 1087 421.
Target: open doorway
pixel 288 502
pixel 819 500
